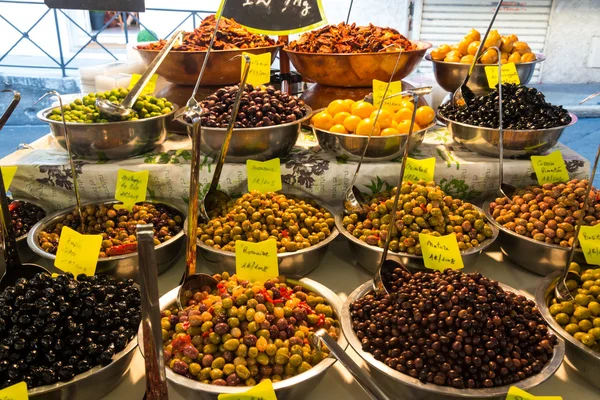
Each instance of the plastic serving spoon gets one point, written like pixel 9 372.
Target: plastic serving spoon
pixel 458 97
pixel 561 291
pixel 122 111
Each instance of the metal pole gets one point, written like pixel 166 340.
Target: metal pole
pixel 62 60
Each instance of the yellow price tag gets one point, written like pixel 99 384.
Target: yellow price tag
pixel 77 253
pixel 419 169
pixel 550 168
pixel 514 393
pixel 264 176
pixel 150 86
pixel 262 391
pixel 393 104
pixel 15 392
pixel 8 173
pixel 440 252
pixel 260 68
pixel 509 74
pixel 589 239
pixel 131 188
pixel 256 261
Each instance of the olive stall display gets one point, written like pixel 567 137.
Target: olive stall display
pixel 548 213
pixel 54 328
pixel 24 216
pixel 242 332
pixel 117 226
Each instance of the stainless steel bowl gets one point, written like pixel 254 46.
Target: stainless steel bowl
pixel 25 252
pixel 297 387
pixel 517 143
pixel 450 75
pixel 91 385
pixel 580 357
pixel 111 140
pixel 124 266
pixel 261 144
pixel 403 386
pixel 538 257
pixel 369 256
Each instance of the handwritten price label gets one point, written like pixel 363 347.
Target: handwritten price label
pixel 550 168
pixel 419 169
pixel 378 94
pixel 8 173
pixel 150 86
pixel 77 253
pixel 260 68
pixel 256 261
pixel 264 176
pixel 514 393
pixel 262 391
pixel 589 238
pixel 440 252
pixel 509 74
pixel 131 188
pixel 15 392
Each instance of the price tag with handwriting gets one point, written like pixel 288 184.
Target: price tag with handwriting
pixel 260 68
pixel 440 252
pixel 150 86
pixel 419 169
pixel 509 74
pixel 262 391
pixel 514 393
pixel 77 253
pixel 15 392
pixel 550 168
pixel 589 239
pixel 256 261
pixel 379 90
pixel 131 188
pixel 264 176
pixel 8 173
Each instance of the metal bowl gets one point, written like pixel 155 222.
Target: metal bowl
pixel 261 144
pixel 183 67
pixel 579 357
pixel 369 256
pixel 538 257
pixel 25 252
pixel 124 266
pixel 450 75
pixel 517 143
pixel 356 69
pixel 404 386
pixel 297 387
pixel 111 140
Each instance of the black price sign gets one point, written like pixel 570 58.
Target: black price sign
pixel 101 5
pixel 275 17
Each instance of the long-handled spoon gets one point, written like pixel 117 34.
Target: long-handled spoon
pixel 561 290
pixel 11 107
pixel 458 97
pixel 123 110
pixel 591 96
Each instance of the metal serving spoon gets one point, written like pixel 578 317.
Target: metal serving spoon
pixel 561 291
pixel 122 111
pixel 591 96
pixel 11 107
pixel 458 97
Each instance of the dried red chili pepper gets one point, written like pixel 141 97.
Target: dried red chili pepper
pixel 121 249
pixel 268 297
pixel 179 343
pixel 305 306
pixel 321 320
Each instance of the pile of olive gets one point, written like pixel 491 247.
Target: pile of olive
pixel 548 213
pixel 24 215
pixel 523 108
pixel 581 317
pixel 255 217
pixel 422 208
pixel 53 328
pixel 117 227
pixel 85 110
pixel 242 332
pixel 258 107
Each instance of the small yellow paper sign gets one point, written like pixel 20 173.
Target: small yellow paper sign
pixel 550 168
pixel 514 393
pixel 15 392
pixel 419 169
pixel 509 74
pixel 440 252
pixel 260 68
pixel 150 86
pixel 264 176
pixel 77 253
pixel 8 173
pixel 256 261
pixel 589 239
pixel 262 391
pixel 131 188
pixel 379 90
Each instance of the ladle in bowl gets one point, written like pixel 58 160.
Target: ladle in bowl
pixel 11 107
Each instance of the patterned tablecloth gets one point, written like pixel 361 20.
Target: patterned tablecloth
pixel 44 173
